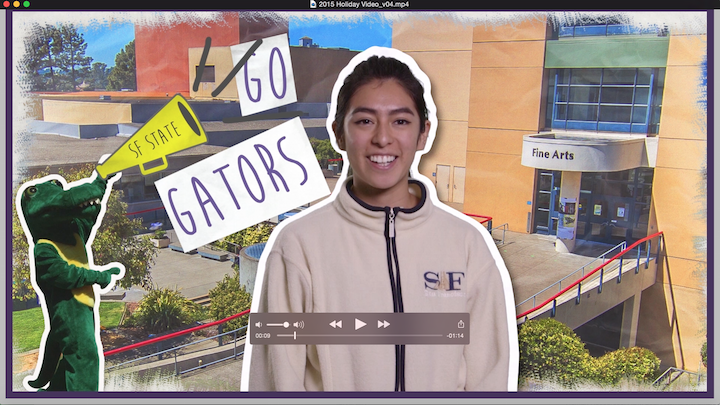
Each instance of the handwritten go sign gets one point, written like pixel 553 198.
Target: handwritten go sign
pixel 268 174
pixel 266 80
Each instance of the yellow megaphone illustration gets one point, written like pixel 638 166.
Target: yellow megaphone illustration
pixel 174 128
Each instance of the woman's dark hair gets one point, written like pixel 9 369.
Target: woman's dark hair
pixel 379 68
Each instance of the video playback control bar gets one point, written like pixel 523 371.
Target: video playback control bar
pixel 359 328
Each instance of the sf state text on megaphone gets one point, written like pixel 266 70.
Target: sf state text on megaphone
pixel 174 128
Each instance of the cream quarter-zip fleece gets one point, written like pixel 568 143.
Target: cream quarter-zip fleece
pixel 339 258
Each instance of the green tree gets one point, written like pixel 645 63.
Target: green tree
pixel 115 241
pixel 55 58
pixel 323 151
pixel 122 75
pixel 97 78
pixel 229 298
pixel 71 57
pixel 39 64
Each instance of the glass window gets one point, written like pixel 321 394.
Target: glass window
pixel 615 113
pixel 625 175
pixel 641 95
pixel 542 217
pixel 208 75
pixel 645 175
pixel 618 95
pixel 586 76
pixel 585 94
pixel 579 112
pixel 619 76
pixel 639 114
pixel 562 93
pixel 563 76
pixel 545 182
pixel 543 200
pixel 610 99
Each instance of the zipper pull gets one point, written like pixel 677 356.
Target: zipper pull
pixel 392 223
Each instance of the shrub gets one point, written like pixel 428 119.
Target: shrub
pixel 249 236
pixel 165 309
pixel 229 298
pixel 634 362
pixel 550 350
pixel 703 353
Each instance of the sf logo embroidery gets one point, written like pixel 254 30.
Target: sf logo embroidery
pixel 444 281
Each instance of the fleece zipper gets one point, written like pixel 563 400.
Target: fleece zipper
pixel 395 286
pixel 394 267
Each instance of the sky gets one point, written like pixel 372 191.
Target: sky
pixel 105 40
pixel 357 35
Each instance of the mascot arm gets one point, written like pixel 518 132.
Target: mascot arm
pixel 52 269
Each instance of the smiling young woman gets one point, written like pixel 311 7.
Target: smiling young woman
pixel 381 134
pixel 383 243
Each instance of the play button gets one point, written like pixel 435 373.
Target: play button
pixel 359 324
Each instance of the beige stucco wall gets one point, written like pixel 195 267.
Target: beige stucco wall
pixel 221 58
pixel 679 210
pixel 86 112
pixel 505 104
pixel 503 86
pixel 443 50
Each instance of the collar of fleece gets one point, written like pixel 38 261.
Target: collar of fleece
pixel 368 216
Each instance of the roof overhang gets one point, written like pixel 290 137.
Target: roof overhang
pixel 588 151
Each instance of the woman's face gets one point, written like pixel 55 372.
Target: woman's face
pixel 381 136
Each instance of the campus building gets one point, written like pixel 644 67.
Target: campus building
pixel 603 119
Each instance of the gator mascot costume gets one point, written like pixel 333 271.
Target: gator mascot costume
pixel 61 222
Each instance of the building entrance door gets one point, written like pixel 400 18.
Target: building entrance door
pixel 548 201
pixel 458 192
pixel 442 182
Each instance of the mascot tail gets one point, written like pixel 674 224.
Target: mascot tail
pixel 51 360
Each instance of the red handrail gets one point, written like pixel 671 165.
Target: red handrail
pixel 172 335
pixel 581 279
pixel 487 218
pixel 144 211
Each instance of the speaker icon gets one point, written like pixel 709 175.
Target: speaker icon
pixel 300 325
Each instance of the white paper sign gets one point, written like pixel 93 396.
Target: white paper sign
pixel 266 80
pixel 268 174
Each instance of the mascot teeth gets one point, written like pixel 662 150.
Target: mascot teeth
pixel 91 202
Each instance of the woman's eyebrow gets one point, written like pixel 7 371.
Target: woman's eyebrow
pixel 401 110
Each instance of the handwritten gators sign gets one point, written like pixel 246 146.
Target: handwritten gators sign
pixel 250 182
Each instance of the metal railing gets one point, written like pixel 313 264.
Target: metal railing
pixel 504 228
pixel 621 246
pixel 672 374
pixel 601 270
pixel 485 219
pixel 175 350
